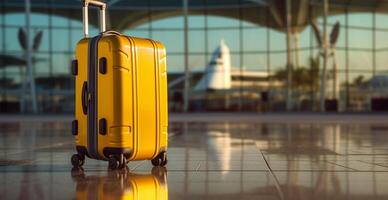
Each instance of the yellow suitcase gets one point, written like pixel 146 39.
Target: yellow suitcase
pixel 121 109
pixel 121 184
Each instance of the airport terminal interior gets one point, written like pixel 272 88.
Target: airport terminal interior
pixel 267 99
pixel 269 63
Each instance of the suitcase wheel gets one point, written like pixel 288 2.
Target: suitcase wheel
pixel 117 162
pixel 77 160
pixel 160 160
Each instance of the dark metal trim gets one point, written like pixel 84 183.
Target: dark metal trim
pixel 74 127
pixel 102 126
pixel 74 67
pixel 85 98
pixel 103 65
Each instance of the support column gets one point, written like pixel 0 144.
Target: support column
pixel 347 62
pixel 325 56
pixel 296 49
pixel 29 57
pixel 370 89
pixel 296 46
pixel 186 43
pixel 23 91
pixel 289 59
pixel 335 76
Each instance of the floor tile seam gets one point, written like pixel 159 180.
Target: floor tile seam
pixel 41 148
pixel 137 165
pixel 215 170
pixel 198 166
pixel 266 170
pixel 341 166
pixel 7 169
pixel 364 154
pixel 276 180
pixel 373 164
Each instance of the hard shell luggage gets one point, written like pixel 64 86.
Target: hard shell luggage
pixel 121 184
pixel 120 97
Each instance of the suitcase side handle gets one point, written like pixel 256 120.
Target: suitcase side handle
pixel 85 98
pixel 85 15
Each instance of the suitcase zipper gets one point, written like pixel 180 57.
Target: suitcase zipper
pixel 92 138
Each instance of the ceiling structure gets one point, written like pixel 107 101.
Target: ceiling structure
pixel 123 14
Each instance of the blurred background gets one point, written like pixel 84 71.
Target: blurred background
pixel 230 55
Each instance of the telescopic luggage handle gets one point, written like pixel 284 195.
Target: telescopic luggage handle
pixel 101 6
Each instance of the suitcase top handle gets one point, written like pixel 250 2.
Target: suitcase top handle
pixel 85 18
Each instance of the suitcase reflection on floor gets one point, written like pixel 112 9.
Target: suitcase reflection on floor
pixel 122 184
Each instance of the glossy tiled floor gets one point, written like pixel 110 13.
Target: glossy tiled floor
pixel 206 161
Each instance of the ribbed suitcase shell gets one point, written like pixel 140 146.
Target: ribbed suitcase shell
pixel 130 94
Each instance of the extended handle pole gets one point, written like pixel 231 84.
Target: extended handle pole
pixel 85 15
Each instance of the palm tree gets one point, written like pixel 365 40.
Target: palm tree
pixel 16 61
pixel 304 78
pixel 314 78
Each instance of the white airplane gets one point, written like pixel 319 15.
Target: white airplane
pixel 221 86
pixel 218 73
